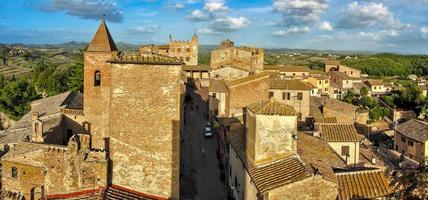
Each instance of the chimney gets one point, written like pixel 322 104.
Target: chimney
pixel 316 134
pixel 37 128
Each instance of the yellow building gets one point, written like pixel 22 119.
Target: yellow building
pixel 322 82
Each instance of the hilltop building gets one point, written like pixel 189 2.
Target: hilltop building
pixel 186 51
pixel 249 58
pixel 73 146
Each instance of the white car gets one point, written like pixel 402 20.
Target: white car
pixel 207 132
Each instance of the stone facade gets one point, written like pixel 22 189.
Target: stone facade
pixel 245 93
pixel 249 58
pixel 301 105
pixel 336 66
pixel 270 137
pixel 186 51
pixel 307 189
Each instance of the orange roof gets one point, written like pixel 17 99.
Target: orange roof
pixel 363 185
pixel 338 132
pixel 272 108
pixel 102 41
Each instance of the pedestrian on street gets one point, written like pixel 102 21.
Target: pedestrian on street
pixel 203 151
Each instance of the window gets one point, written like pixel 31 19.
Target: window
pixel 403 139
pixel 374 87
pixel 319 82
pixel 410 143
pixel 326 89
pixel 304 74
pixel 294 74
pixel 188 50
pixel 326 81
pixel 270 94
pixel 288 96
pixel 14 172
pixel 179 50
pixel 284 95
pixel 187 59
pixel 97 78
pixel 299 96
pixel 214 95
pixel 352 72
pixel 346 81
pixel 345 151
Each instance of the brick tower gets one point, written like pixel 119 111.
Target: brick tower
pixel 97 82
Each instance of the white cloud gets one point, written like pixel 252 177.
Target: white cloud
pixel 215 7
pixel 86 9
pixel 369 15
pixel 380 35
pixel 424 32
pixel 292 30
pixel 326 26
pixel 148 28
pixel 225 25
pixel 297 12
pixel 198 15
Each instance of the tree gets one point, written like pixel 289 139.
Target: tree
pixel 364 91
pixel 412 184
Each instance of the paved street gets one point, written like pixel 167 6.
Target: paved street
pixel 200 173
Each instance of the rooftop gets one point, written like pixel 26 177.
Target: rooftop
pixel 337 132
pixel 319 155
pixel 244 80
pixel 324 120
pixel 287 68
pixel 217 86
pixel 273 175
pixel 363 185
pixel 196 68
pixel 340 106
pixel 102 41
pixel 374 82
pixel 272 108
pixel 414 129
pixel 289 85
pixel 340 75
pixel 149 58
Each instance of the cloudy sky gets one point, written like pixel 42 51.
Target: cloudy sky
pixel 369 25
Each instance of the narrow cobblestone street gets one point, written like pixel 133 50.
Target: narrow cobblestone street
pixel 200 174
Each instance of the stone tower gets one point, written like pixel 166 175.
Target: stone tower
pixel 271 128
pixel 195 50
pixel 97 83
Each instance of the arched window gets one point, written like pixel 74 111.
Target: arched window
pixel 14 172
pixel 97 78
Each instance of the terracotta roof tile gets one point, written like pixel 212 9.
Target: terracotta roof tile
pixel 325 119
pixel 374 82
pixel 154 59
pixel 363 185
pixel 340 106
pixel 102 41
pixel 287 68
pixel 414 129
pixel 338 132
pixel 217 86
pixel 273 175
pixel 272 108
pixel 319 154
pixel 263 75
pixel 290 85
pixel 340 75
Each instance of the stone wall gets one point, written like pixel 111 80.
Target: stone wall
pixel 96 99
pixel 242 95
pixel 301 106
pixel 144 138
pixel 313 188
pixel 274 137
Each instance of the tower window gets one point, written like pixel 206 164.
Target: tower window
pixel 14 172
pixel 97 78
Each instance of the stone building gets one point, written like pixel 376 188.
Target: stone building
pixel 336 66
pixel 411 139
pixel 322 82
pixel 295 93
pixel 186 51
pixel 249 58
pixel 289 72
pixel 343 139
pixel 71 144
pixel 244 91
pixel 263 163
pixel 229 73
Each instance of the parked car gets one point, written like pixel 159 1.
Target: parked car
pixel 207 132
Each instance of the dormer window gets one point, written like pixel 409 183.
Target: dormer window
pixel 97 78
pixel 14 172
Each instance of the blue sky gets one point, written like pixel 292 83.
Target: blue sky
pixel 368 25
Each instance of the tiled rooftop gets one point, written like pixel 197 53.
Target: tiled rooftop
pixel 272 108
pixel 217 86
pixel 340 106
pixel 414 129
pixel 273 175
pixel 338 132
pixel 325 120
pixel 153 59
pixel 319 155
pixel 374 82
pixel 340 75
pixel 196 68
pixel 363 185
pixel 287 68
pixel 263 75
pixel 289 85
